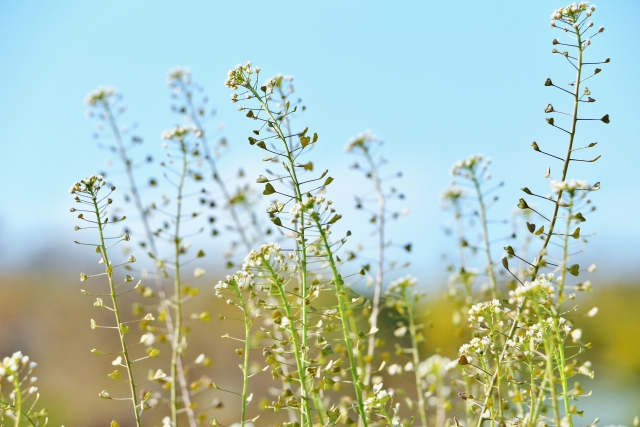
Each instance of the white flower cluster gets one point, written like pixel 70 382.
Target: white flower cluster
pixel 469 164
pixel 452 193
pixel 235 283
pixel 11 367
pixel 240 75
pixel 266 253
pixel 180 132
pixel 571 185
pixel 572 12
pixel 363 140
pixel 315 203
pixel 402 283
pixel 541 287
pixel 378 400
pixel 179 74
pixel 276 81
pixel 478 345
pixel 92 183
pixel 477 312
pixel 103 94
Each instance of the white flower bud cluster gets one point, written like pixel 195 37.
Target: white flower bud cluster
pixel 102 94
pixel 267 253
pixel 572 12
pixel 451 194
pixel 276 81
pixel 14 365
pixel 315 203
pixel 478 345
pixel 540 288
pixel 401 284
pixel 571 185
pixel 179 74
pixel 180 132
pixel 378 400
pixel 364 140
pixel 240 75
pixel 467 167
pixel 235 283
pixel 482 311
pixel 94 182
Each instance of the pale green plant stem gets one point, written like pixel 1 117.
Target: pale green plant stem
pixel 116 310
pixel 245 360
pixel 152 245
pixel 342 307
pixel 554 218
pixel 493 285
pixel 176 348
pixel 558 339
pixel 303 242
pixel 26 417
pixel 18 398
pixel 307 418
pixel 549 350
pixel 485 238
pixel 377 289
pixel 214 170
pixel 422 408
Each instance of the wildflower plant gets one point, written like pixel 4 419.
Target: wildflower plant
pixel 18 405
pixel 303 324
pixel 524 350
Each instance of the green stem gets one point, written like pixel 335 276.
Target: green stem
pixel 341 293
pixel 116 310
pixel 18 398
pixel 214 169
pixel 301 232
pixel 416 361
pixel 377 290
pixel 176 348
pixel 126 161
pixel 245 361
pixel 554 218
pixel 26 417
pixel 297 346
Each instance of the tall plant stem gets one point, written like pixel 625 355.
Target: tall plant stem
pixel 539 263
pixel 422 408
pixel 301 232
pixel 116 310
pixel 297 347
pixel 377 289
pixel 214 169
pixel 152 245
pixel 176 348
pixel 342 307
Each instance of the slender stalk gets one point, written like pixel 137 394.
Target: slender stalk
pixel 26 417
pixel 301 232
pixel 341 293
pixel 193 113
pixel 18 398
pixel 554 218
pixel 116 310
pixel 416 361
pixel 377 290
pixel 297 347
pixel 245 362
pixel 176 348
pixel 144 217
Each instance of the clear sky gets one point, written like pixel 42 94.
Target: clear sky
pixel 437 81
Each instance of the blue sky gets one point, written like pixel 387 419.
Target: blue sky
pixel 436 82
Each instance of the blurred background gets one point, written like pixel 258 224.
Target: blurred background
pixel 435 82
